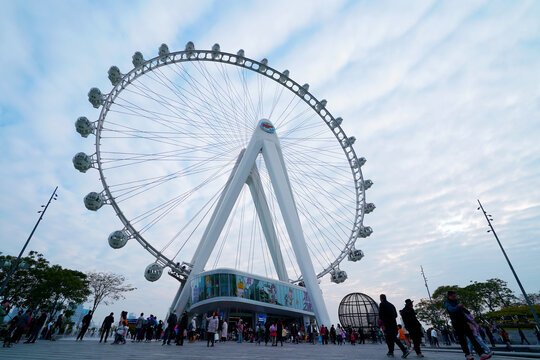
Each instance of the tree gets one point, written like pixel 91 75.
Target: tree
pixel 28 275
pixel 478 297
pixel 107 288
pixel 533 297
pixel 60 290
pixel 36 284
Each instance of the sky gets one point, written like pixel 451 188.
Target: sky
pixel 443 98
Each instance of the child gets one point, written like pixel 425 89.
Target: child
pixel 119 336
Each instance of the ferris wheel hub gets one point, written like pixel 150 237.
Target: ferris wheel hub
pixel 267 126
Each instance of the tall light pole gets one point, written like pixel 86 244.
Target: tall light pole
pixel 429 294
pixel 16 264
pixel 489 219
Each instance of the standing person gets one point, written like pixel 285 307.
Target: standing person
pixel 240 329
pixel 435 337
pixel 182 326
pixel 324 335
pixel 311 333
pixel 523 338
pixel 4 310
pixel 280 332
pixel 273 334
pixel 169 331
pixel 361 336
pixel 149 330
pixel 213 323
pixel 106 326
pixel 139 326
pixel 412 325
pixel 339 336
pixel 22 323
pixel 85 324
pixel 461 326
pixel 388 315
pixel 333 334
pixel 260 333
pixel 224 331
pixel 194 328
pixel 159 330
pixel 37 327
pixel 266 332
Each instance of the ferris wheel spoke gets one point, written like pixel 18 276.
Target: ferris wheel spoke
pixel 323 207
pixel 177 112
pixel 210 204
pixel 213 91
pixel 139 189
pixel 235 98
pixel 277 95
pixel 172 206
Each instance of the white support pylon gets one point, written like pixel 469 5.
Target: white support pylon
pixel 264 139
pixel 267 225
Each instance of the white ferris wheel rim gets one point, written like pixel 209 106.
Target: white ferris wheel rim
pixel 187 56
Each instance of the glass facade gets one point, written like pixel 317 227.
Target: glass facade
pixel 208 286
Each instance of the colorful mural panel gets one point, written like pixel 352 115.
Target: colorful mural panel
pixel 247 287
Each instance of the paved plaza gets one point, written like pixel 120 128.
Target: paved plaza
pixel 91 349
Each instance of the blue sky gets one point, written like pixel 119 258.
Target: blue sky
pixel 443 98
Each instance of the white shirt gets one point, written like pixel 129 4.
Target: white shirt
pixel 433 333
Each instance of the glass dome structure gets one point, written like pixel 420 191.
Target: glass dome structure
pixel 358 310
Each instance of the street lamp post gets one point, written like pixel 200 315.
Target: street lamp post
pixel 489 219
pixel 14 266
pixel 430 299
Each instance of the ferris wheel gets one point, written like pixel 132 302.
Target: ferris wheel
pixel 174 133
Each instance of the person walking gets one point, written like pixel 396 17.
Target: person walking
pixel 462 328
pixel 213 323
pixel 413 326
pixel 182 326
pixel 22 323
pixel 169 331
pixel 106 326
pixel 57 327
pixel 85 324
pixel 522 336
pixel 388 315
pixel 37 328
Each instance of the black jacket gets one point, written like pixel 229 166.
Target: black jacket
pixel 108 322
pixel 183 322
pixel 411 322
pixel 388 314
pixel 86 319
pixel 171 321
